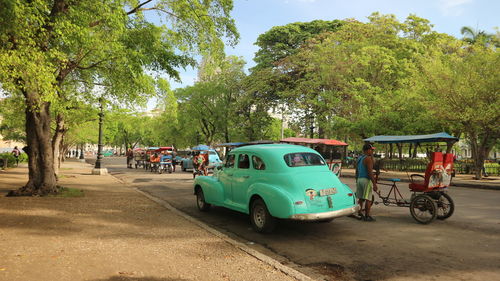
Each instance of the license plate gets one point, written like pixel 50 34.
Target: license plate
pixel 328 191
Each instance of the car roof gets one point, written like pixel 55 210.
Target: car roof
pixel 272 154
pixel 270 150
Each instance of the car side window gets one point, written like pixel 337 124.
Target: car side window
pixel 257 163
pixel 243 161
pixel 229 161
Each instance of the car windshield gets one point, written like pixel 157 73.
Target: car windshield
pixel 303 159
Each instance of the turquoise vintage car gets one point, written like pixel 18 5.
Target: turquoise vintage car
pixel 276 181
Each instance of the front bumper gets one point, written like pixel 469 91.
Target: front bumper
pixel 326 215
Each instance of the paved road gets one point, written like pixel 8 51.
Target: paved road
pixel 464 247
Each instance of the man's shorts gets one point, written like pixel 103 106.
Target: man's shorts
pixel 364 188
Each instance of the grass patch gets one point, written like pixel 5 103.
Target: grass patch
pixel 67 192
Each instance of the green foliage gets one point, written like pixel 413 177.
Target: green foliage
pixel 11 160
pixel 12 119
pixel 282 41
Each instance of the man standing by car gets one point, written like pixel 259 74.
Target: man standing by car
pixel 365 182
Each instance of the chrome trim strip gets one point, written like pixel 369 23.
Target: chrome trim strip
pixel 325 215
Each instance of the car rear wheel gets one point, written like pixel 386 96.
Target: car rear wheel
pixel 261 219
pixel 200 201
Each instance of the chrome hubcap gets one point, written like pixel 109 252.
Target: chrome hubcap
pixel 259 216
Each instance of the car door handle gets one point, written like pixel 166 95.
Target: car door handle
pixel 246 177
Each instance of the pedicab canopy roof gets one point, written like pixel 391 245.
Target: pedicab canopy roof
pixel 152 148
pixel 229 144
pixel 162 148
pixel 438 137
pixel 201 147
pixel 314 141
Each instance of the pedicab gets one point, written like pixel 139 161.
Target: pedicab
pixel 139 157
pixel 165 164
pixel 429 192
pixel 332 150
pixel 147 161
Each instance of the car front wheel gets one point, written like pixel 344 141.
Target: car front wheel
pixel 200 201
pixel 261 219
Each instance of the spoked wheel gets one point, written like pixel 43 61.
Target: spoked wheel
pixel 445 206
pixel 169 169
pixel 261 219
pixel 160 169
pixel 423 209
pixel 200 201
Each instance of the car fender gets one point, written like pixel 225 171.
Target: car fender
pixel 278 201
pixel 212 189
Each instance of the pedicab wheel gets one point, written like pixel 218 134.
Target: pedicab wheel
pixel 160 170
pixel 200 201
pixel 423 209
pixel 169 169
pixel 445 206
pixel 261 219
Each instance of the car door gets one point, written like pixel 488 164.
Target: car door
pixel 226 178
pixel 241 180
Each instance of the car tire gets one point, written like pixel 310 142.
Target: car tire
pixel 261 219
pixel 200 201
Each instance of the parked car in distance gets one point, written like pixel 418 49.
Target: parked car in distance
pixel 276 181
pixel 213 159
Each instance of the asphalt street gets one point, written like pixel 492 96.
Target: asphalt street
pixel 463 247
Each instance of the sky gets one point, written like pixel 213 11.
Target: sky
pixel 254 17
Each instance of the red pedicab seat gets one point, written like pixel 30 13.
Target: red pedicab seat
pixel 437 175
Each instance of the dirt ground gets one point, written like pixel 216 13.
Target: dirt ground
pixel 112 233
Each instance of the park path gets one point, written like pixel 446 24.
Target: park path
pixel 112 233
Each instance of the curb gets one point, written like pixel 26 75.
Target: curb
pixel 459 183
pixel 266 259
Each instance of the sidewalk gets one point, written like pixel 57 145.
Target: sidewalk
pixel 459 180
pixel 113 233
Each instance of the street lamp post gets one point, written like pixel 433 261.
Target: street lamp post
pixel 99 167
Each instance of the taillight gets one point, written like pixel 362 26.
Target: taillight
pixel 349 194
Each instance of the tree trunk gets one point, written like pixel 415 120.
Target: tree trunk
pixel 42 179
pixel 57 141
pixel 391 149
pixel 400 150
pixel 480 147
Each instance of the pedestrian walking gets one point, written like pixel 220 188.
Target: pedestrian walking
pixel 16 152
pixel 130 157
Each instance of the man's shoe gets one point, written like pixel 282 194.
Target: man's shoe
pixel 370 218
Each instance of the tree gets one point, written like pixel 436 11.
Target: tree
pixel 47 46
pixel 282 41
pixel 463 89
pixel 358 80
pixel 472 36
